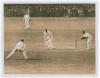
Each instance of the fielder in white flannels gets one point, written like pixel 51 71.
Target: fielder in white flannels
pixel 20 46
pixel 27 20
pixel 48 38
pixel 88 38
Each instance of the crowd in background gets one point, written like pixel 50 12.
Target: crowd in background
pixel 50 10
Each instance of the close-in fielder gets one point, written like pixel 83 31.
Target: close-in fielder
pixel 27 20
pixel 88 38
pixel 48 38
pixel 20 46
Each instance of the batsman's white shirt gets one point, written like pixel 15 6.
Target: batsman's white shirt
pixel 88 36
pixel 20 45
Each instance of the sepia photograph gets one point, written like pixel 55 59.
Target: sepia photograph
pixel 50 38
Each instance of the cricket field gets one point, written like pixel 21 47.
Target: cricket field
pixel 69 55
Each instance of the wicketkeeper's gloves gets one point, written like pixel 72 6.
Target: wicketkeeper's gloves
pixel 83 38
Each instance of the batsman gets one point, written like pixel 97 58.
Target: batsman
pixel 48 38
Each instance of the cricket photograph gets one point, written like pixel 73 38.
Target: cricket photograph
pixel 50 38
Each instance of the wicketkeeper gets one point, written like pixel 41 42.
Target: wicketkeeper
pixel 88 38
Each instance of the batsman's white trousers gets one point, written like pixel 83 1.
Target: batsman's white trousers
pixel 49 44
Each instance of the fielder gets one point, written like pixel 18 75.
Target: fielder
pixel 48 38
pixel 20 46
pixel 27 20
pixel 88 38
